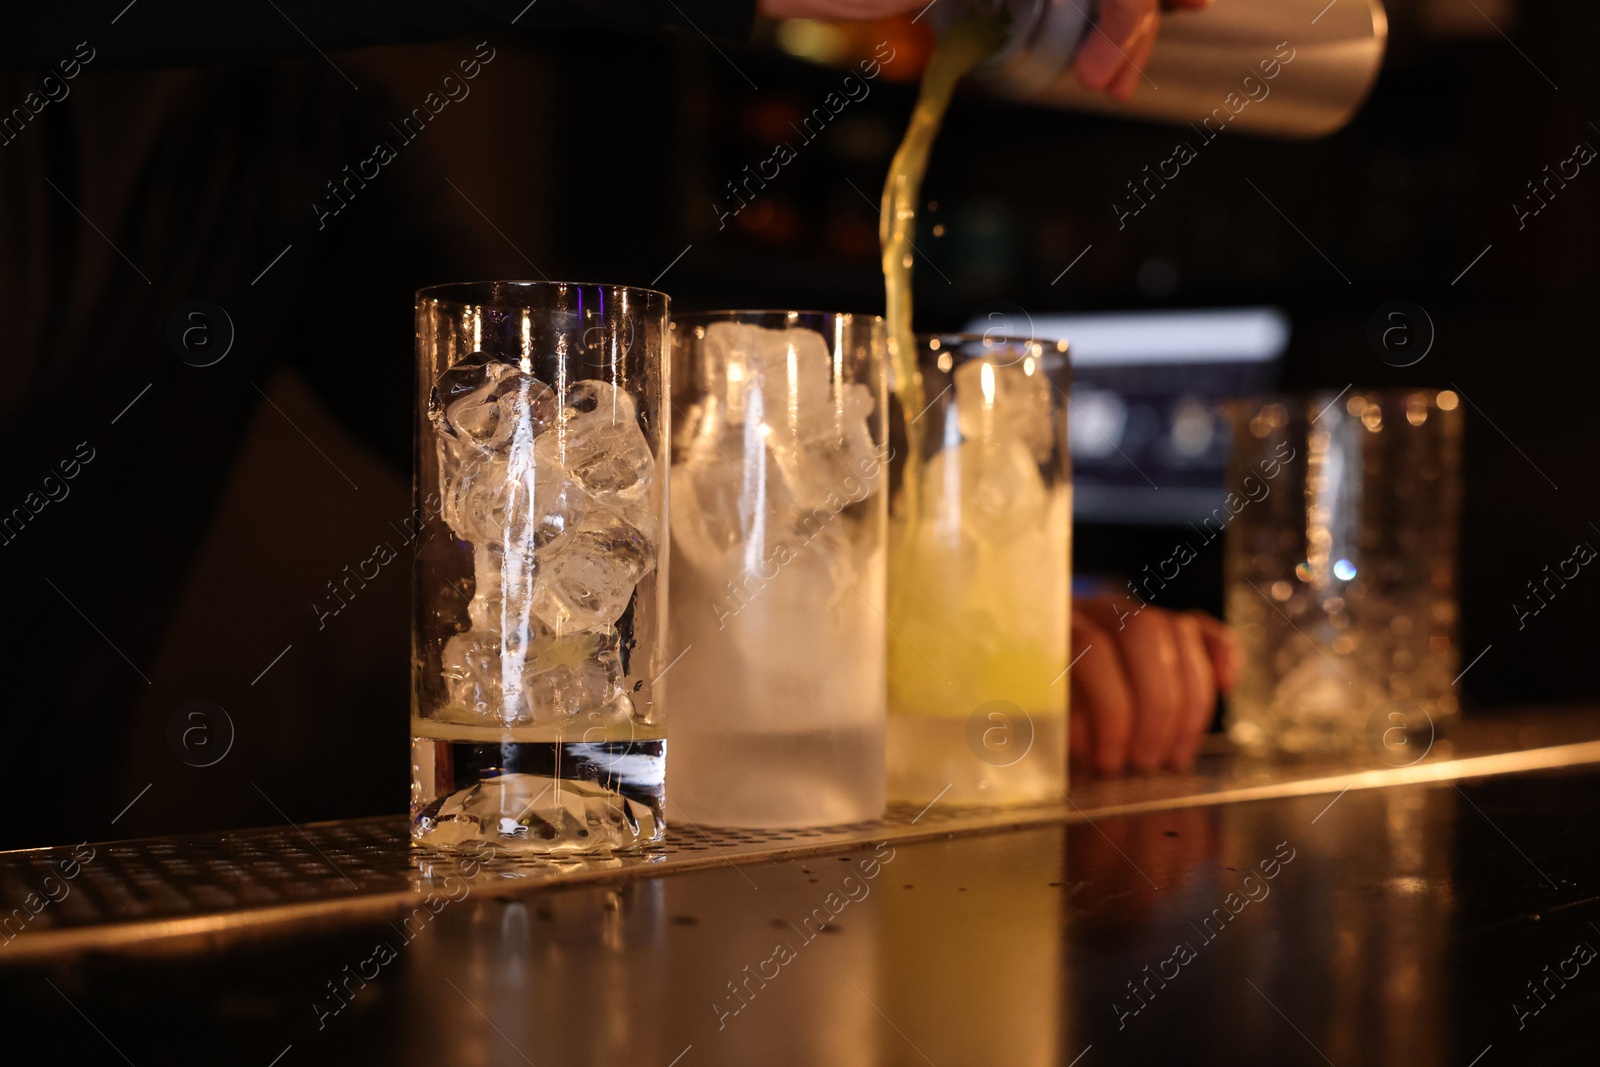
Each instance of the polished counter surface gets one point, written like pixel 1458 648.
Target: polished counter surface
pixel 1440 912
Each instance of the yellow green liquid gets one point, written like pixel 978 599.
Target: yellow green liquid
pixel 977 613
pixel 962 49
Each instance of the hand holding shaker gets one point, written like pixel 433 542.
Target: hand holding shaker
pixel 1295 69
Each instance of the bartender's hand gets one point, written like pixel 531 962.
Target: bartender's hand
pixel 1111 59
pixel 1114 55
pixel 1147 682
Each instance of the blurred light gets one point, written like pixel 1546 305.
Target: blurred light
pixel 1242 335
pixel 820 42
pixel 1281 591
pixel 1448 401
pixel 1344 570
pixel 1193 428
pixel 986 382
pixel 1101 418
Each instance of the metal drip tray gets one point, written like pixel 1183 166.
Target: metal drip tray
pixel 177 894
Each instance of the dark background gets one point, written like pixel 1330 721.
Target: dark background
pixel 184 564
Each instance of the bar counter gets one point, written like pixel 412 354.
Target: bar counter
pixel 1442 912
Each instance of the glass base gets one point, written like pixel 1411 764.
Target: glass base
pixel 770 780
pixel 933 756
pixel 538 795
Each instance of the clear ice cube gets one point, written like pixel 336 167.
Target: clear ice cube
pixel 586 576
pixel 570 674
pixel 516 499
pixel 549 680
pixel 473 677
pixel 995 400
pixel 598 442
pixel 487 404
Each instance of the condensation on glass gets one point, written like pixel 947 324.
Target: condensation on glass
pixel 539 591
pixel 1342 527
pixel 980 575
pixel 778 538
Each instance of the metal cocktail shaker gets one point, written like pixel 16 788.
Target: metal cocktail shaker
pixel 1295 69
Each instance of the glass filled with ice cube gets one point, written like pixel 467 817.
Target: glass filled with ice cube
pixel 980 574
pixel 1340 571
pixel 539 593
pixel 778 552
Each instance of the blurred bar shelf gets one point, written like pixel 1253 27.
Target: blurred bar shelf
pixel 203 891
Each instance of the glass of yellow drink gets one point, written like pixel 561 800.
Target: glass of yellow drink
pixel 980 575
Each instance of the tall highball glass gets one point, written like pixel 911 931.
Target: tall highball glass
pixel 539 586
pixel 1341 571
pixel 980 575
pixel 778 520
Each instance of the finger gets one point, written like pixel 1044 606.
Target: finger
pixel 1223 648
pixel 1079 753
pixel 1200 691
pixel 1127 81
pixel 1100 694
pixel 1104 52
pixel 1150 653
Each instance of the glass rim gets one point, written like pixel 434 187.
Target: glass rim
pixel 1381 393
pixel 933 348
pixel 725 314
pixel 440 292
pixel 1059 345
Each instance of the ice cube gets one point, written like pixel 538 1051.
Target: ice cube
pixel 474 676
pixel 991 491
pixel 777 376
pixel 782 382
pixel 729 497
pixel 548 680
pixel 486 404
pixel 516 499
pixel 1323 702
pixel 570 674
pixel 586 576
pixel 598 442
pixel 829 459
pixel 996 400
pixel 502 598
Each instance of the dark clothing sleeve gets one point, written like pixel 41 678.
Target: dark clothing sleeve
pixel 185 33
